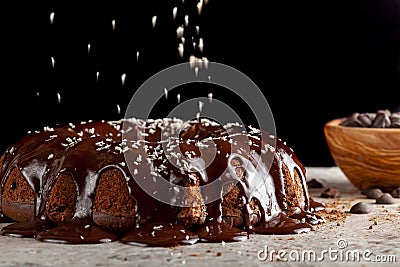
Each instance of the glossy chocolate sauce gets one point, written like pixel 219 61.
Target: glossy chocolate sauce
pixel 157 157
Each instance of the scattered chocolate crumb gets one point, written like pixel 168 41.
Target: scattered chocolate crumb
pixel 374 193
pixel 219 254
pixel 360 208
pixel 333 213
pixel 386 198
pixel 208 250
pixel 396 193
pixel 331 192
pixel 370 227
pixel 313 183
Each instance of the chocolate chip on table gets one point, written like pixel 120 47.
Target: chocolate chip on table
pixel 331 192
pixel 366 190
pixel 313 183
pixel 374 193
pixel 396 193
pixel 360 208
pixel 386 198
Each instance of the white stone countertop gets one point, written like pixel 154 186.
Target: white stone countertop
pixel 374 237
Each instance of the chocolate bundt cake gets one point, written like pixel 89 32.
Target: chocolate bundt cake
pixel 151 182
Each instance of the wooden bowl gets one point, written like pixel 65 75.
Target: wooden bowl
pixel 369 157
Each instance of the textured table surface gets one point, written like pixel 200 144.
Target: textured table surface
pixel 344 239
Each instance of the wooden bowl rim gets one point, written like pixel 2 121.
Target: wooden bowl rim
pixel 335 124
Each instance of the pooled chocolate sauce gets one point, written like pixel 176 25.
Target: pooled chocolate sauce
pixel 157 154
pixel 76 232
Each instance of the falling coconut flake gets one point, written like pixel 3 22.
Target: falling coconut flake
pixel 192 61
pixel 53 62
pixel 137 56
pixel 97 76
pixel 178 98
pixel 210 96
pixel 118 109
pixel 209 78
pixel 179 31
pixel 113 24
pixel 199 6
pixel 88 48
pixel 51 17
pixel 201 45
pixel 196 71
pixel 186 20
pixel 154 20
pixel 166 93
pixel 59 98
pixel 180 49
pixel 123 77
pixel 37 94
pixel 205 62
pixel 174 12
pixel 201 105
pixel 198 62
pixel 197 30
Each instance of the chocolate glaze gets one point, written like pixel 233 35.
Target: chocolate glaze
pixel 200 149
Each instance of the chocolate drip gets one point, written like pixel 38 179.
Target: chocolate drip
pixel 26 229
pixel 160 234
pixel 281 224
pixel 76 231
pixel 214 231
pixel 154 158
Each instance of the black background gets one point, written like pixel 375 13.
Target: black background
pixel 313 60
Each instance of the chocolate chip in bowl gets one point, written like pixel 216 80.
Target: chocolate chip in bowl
pixel 382 118
pixel 366 147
